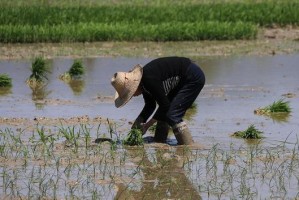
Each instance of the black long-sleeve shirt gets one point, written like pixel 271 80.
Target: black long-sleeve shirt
pixel 161 80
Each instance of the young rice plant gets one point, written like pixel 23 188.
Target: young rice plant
pixel 250 133
pixel 39 71
pixel 134 138
pixel 76 70
pixel 5 80
pixel 279 106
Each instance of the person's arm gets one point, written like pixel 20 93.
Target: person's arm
pixel 147 111
pixel 147 125
pixel 155 87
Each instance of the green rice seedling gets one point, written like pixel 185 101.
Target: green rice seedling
pixel 250 133
pixel 39 71
pixel 5 80
pixel 134 138
pixel 279 106
pixel 75 71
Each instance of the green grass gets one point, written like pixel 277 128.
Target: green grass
pixel 91 32
pixel 5 80
pixel 280 106
pixel 250 133
pixel 146 22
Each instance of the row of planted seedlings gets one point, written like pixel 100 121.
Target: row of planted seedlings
pixel 63 162
pixel 208 21
pixel 99 163
pixel 66 163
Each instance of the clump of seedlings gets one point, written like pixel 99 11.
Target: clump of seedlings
pixel 250 133
pixel 5 80
pixel 134 138
pixel 75 72
pixel 39 71
pixel 279 106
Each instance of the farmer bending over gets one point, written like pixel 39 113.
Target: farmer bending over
pixel 171 82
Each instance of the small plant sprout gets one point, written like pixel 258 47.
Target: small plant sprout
pixel 5 80
pixel 134 138
pixel 250 133
pixel 279 106
pixel 76 71
pixel 39 71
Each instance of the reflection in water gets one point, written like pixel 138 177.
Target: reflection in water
pixel 280 117
pixel 5 91
pixel 163 177
pixel 77 86
pixel 39 94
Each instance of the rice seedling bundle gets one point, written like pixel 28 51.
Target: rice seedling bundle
pixel 250 133
pixel 134 138
pixel 5 80
pixel 39 69
pixel 280 106
pixel 76 69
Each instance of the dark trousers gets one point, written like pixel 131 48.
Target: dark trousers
pixel 186 95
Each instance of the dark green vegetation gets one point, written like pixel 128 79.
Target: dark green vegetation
pixel 280 106
pixel 210 21
pixel 134 138
pixel 76 69
pixel 5 80
pixel 39 69
pixel 250 133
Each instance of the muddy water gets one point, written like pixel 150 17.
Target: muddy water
pixel 235 87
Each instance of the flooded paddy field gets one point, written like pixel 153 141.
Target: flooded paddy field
pixel 48 149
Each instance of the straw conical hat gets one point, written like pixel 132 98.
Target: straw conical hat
pixel 126 84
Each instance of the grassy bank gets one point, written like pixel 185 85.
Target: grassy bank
pixel 209 21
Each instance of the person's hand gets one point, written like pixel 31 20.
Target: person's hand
pixel 145 126
pixel 138 123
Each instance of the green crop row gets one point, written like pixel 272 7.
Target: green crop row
pixel 211 21
pixel 84 32
pixel 264 13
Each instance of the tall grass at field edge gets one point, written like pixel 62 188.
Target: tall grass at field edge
pixel 89 32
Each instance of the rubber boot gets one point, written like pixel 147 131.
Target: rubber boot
pixel 161 132
pixel 182 134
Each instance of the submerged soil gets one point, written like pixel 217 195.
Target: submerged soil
pixel 270 41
